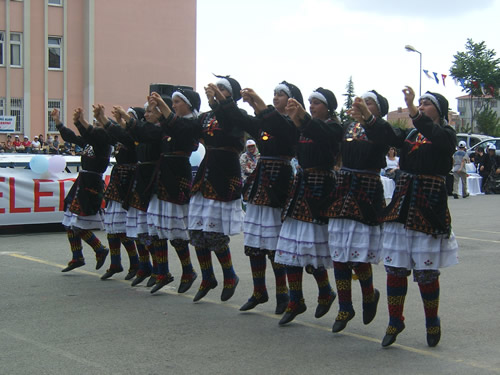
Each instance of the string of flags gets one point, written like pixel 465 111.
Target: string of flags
pixel 485 89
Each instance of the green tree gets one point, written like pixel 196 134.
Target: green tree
pixel 350 94
pixel 477 67
pixel 488 122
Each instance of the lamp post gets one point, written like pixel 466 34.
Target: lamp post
pixel 412 49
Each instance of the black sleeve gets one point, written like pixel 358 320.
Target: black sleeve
pixel 320 131
pixel 119 134
pixel 444 136
pixel 69 135
pixel 380 131
pixel 143 131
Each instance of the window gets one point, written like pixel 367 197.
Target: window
pixel 16 49
pixel 55 53
pixel 17 109
pixel 51 105
pixel 1 47
pixel 55 2
pixel 2 106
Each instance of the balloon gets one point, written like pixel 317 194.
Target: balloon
pixel 197 156
pixel 57 163
pixel 39 164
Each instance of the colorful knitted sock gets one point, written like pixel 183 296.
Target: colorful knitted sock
pixel 325 291
pixel 114 251
pixel 151 249
pixel 280 277
pixel 144 262
pixel 258 266
pixel 207 270
pixel 224 257
pixel 182 249
pixel 75 243
pixel 294 276
pixel 89 237
pixel 131 250
pixel 343 280
pixel 430 298
pixel 161 253
pixel 365 276
pixel 397 287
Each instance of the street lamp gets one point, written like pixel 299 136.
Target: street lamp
pixel 412 49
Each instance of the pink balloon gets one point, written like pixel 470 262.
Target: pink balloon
pixel 57 164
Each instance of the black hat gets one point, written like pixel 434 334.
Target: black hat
pixel 327 97
pixel 191 97
pixel 439 102
pixel 291 91
pixel 138 112
pixel 382 103
pixel 231 85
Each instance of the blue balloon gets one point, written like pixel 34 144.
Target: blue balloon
pixel 39 164
pixel 195 159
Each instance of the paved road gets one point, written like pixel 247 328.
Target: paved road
pixel 54 323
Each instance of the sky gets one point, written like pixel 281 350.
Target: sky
pixel 321 43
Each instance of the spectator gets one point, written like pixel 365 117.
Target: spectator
pixel 460 158
pixel 27 144
pixel 56 141
pixel 18 145
pixel 249 159
pixel 392 161
pixel 492 171
pixel 50 145
pixel 9 146
pixel 36 146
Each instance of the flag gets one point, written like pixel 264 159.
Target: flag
pixel 436 77
pixel 443 76
pixel 483 89
pixel 426 72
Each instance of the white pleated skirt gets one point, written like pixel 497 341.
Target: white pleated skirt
pixel 301 244
pixel 115 218
pixel 167 220
pixel 416 250
pixel 262 227
pixel 136 222
pixel 71 220
pixel 352 241
pixel 215 216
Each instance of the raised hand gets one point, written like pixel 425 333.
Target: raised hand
pixel 359 111
pixel 409 96
pixel 158 101
pixel 295 111
pixel 99 114
pixel 56 116
pixel 250 96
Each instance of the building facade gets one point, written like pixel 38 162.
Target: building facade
pixel 401 118
pixel 75 53
pixel 468 106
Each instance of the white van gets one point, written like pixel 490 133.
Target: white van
pixel 471 139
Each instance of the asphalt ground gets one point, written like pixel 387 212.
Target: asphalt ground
pixel 74 323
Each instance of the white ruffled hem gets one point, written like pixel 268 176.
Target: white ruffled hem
pixel 301 244
pixel 262 226
pixel 115 218
pixel 137 222
pixel 167 220
pixel 352 241
pixel 210 215
pixel 71 220
pixel 416 250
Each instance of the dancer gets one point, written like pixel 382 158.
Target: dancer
pixel 266 190
pixel 417 230
pixel 82 205
pixel 354 226
pixel 215 210
pixel 115 196
pixel 303 239
pixel 169 205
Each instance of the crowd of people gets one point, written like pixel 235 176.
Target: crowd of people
pixel 39 145
pixel 312 188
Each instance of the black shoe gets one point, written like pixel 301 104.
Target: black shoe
pixel 184 286
pixel 281 306
pixel 466 195
pixel 434 337
pixel 227 293
pixel 151 281
pixel 140 279
pixel 111 272
pixel 131 273
pixel 370 309
pixel 290 315
pixel 73 264
pixel 252 302
pixel 390 338
pixel 323 309
pixel 161 283
pixel 455 196
pixel 203 292
pixel 340 324
pixel 101 258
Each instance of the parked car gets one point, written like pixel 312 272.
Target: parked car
pixel 483 144
pixel 472 139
